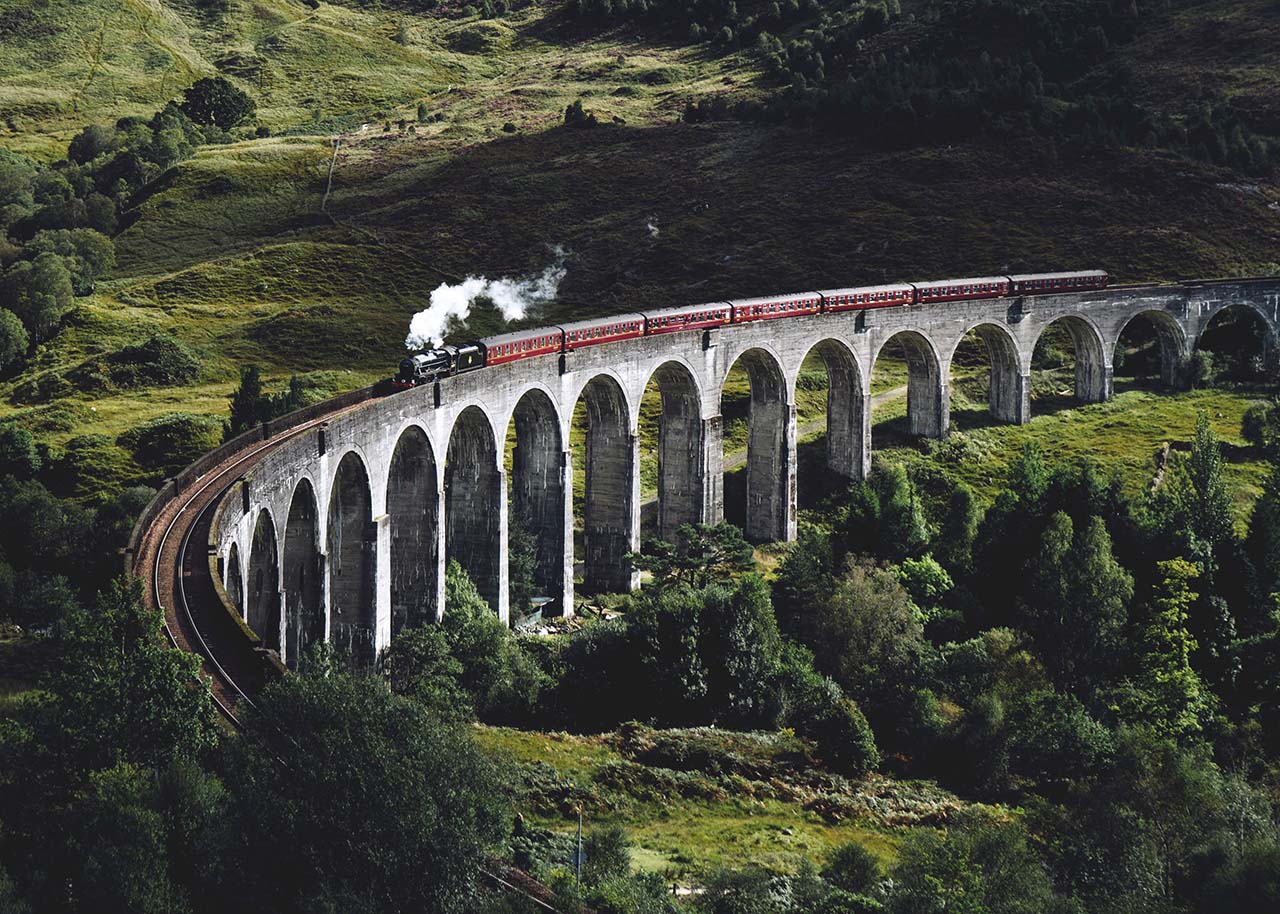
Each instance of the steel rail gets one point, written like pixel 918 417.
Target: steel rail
pixel 189 497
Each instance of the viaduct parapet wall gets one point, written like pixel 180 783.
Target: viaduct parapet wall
pixel 343 533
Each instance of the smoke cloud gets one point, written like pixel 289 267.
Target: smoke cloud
pixel 514 299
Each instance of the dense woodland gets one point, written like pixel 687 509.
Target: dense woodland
pixel 954 69
pixel 1105 666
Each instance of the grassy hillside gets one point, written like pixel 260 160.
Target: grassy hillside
pixel 271 249
pixel 692 800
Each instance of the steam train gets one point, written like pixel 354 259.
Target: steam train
pixel 432 365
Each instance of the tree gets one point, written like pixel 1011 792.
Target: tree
pixel 1250 883
pixel 902 521
pixel 805 576
pixel 1262 544
pixel 216 101
pixel 91 142
pixel 1169 694
pixel 664 632
pixel 121 695
pixel 742 651
pixel 10 901
pixel 40 602
pixel 40 293
pixel 608 854
pixel 247 403
pixel 419 664
pixel 1054 741
pixel 501 678
pixel 17 186
pixel 1077 602
pixel 347 797
pixel 13 340
pixel 522 566
pixel 979 865
pixel 1140 834
pixel 1260 426
pixel 926 582
pixel 750 890
pixel 885 518
pixel 1029 476
pixel 19 455
pixel 701 555
pixel 867 636
pixel 119 854
pixel 87 254
pixel 1202 491
pixel 953 546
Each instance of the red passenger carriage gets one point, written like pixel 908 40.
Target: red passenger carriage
pixel 690 317
pixel 957 289
pixel 523 344
pixel 1048 283
pixel 773 306
pixel 602 330
pixel 868 297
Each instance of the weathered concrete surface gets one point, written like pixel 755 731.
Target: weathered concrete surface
pixel 366 510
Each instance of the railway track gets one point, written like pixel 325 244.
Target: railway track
pixel 173 557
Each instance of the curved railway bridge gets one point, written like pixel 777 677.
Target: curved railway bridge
pixel 336 522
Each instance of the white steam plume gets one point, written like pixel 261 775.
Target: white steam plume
pixel 514 298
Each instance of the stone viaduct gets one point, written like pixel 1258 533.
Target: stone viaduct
pixel 343 533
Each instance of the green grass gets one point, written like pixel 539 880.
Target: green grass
pixel 687 822
pixel 232 252
pixel 1121 436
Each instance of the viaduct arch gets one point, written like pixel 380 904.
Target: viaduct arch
pixel 352 520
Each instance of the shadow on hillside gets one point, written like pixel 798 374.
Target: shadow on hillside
pixel 565 27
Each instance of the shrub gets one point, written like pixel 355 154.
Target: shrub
pixel 608 855
pixel 89 466
pixel 853 868
pixel 170 442
pixel 1199 369
pixel 159 359
pixel 475 40
pixel 13 340
pixel 576 116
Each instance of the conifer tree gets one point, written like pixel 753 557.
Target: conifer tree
pixel 1170 696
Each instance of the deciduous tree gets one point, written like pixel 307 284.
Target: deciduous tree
pixel 1078 602
pixel 216 101
pixel 348 797
pixel 13 340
